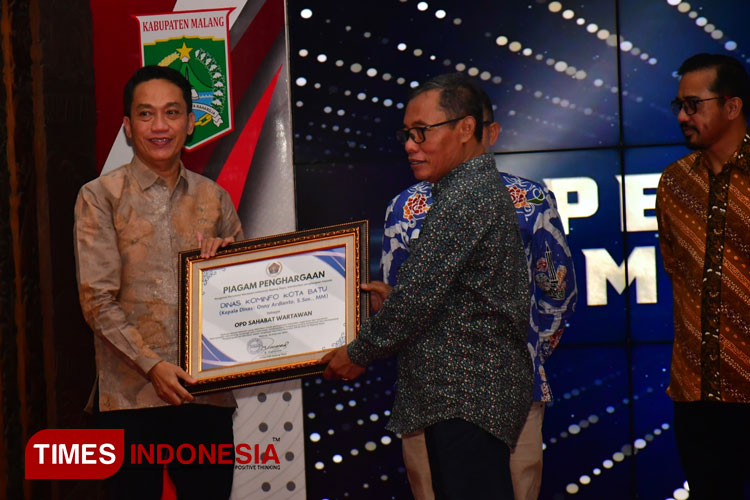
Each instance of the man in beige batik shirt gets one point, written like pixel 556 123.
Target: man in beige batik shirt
pixel 130 225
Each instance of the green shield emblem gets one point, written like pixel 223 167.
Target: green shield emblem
pixel 195 44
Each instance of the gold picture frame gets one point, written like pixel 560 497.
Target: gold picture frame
pixel 268 309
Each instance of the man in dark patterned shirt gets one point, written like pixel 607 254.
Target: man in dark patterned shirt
pixel 458 317
pixel 703 209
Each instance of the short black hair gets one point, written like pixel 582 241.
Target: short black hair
pixel 459 96
pixel 731 77
pixel 486 106
pixel 147 73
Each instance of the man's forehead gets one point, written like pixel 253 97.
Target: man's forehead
pixel 424 108
pixel 157 87
pixel 428 98
pixel 146 104
pixel 696 83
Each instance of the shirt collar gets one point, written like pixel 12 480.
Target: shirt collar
pixel 472 165
pixel 739 159
pixel 147 177
pixel 742 156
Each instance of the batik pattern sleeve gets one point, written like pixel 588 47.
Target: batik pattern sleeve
pixel 231 227
pixel 403 222
pixel 99 273
pixel 555 290
pixel 665 235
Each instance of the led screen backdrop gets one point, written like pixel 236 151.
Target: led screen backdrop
pixel 582 91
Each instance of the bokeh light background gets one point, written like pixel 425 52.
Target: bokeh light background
pixel 582 91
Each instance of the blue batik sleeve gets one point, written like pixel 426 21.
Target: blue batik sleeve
pixel 554 276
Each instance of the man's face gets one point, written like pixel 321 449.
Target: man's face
pixel 710 121
pixel 158 124
pixel 441 151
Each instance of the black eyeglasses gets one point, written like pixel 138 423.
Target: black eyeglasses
pixel 690 105
pixel 416 134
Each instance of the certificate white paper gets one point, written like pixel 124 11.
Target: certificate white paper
pixel 273 307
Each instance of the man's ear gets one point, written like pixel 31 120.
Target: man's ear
pixel 126 126
pixel 467 127
pixel 191 123
pixel 493 129
pixel 734 106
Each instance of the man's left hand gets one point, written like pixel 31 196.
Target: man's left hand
pixel 165 377
pixel 379 291
pixel 340 366
pixel 209 246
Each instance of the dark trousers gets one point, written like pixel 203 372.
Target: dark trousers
pixel 713 441
pixel 467 462
pixel 173 425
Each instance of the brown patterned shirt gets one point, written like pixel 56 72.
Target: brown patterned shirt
pixel 128 231
pixel 704 232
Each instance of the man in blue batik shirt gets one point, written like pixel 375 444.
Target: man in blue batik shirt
pixel 553 298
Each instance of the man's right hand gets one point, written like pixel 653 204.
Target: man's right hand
pixel 379 291
pixel 209 246
pixel 340 366
pixel 165 377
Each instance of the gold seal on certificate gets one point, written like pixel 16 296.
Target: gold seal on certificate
pixel 268 309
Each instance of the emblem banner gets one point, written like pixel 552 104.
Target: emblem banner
pixel 195 43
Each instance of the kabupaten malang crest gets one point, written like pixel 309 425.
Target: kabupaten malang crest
pixel 197 45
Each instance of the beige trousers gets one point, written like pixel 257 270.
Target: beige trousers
pixel 525 460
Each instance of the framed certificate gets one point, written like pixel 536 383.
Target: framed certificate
pixel 268 309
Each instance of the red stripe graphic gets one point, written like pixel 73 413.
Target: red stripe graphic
pixel 247 57
pixel 116 57
pixel 169 490
pixel 234 173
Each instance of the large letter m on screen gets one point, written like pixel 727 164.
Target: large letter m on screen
pixel 601 268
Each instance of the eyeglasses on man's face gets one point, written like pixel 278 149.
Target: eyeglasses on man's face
pixel 690 105
pixel 417 134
